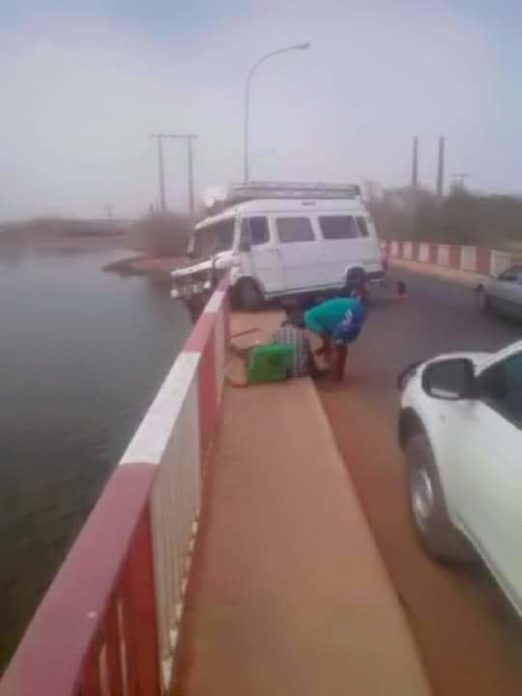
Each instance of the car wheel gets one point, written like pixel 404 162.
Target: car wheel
pixel 428 509
pixel 483 300
pixel 248 295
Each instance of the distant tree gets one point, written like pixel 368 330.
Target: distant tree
pixel 460 218
pixel 160 234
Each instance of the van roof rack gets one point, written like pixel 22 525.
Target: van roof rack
pixel 254 190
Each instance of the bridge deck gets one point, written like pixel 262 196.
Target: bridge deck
pixel 289 594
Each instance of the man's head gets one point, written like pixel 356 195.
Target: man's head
pixel 356 288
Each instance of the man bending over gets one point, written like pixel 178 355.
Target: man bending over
pixel 338 322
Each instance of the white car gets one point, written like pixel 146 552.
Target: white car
pixel 460 425
pixel 503 293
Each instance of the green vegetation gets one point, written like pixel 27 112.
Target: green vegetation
pixel 160 234
pixel 460 218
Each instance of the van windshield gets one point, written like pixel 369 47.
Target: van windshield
pixel 214 238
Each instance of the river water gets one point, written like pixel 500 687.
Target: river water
pixel 82 354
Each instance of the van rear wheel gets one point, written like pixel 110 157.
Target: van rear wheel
pixel 248 295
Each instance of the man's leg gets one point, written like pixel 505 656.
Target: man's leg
pixel 338 362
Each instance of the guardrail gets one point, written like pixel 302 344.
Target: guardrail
pixel 464 258
pixel 109 622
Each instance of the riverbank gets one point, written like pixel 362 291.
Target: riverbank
pixel 157 268
pixel 66 235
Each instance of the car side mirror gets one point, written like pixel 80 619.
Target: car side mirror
pixel 244 245
pixel 451 379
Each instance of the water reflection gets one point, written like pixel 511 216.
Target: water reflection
pixel 81 355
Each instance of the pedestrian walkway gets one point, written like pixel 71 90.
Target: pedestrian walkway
pixel 288 593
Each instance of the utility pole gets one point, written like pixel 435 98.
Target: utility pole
pixel 161 172
pixel 440 169
pixel 190 155
pixel 459 180
pixel 189 138
pixel 415 164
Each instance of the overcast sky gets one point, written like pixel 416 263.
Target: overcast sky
pixel 83 84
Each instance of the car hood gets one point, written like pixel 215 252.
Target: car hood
pixel 194 268
pixel 222 259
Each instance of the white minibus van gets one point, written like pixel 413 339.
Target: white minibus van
pixel 282 239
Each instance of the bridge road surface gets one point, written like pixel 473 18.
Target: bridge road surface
pixel 469 638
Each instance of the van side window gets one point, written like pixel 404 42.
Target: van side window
pixel 363 227
pixel 338 227
pixel 254 230
pixel 294 229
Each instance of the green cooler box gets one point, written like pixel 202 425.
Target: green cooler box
pixel 269 363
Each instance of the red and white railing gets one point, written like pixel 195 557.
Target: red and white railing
pixel 109 622
pixel 463 258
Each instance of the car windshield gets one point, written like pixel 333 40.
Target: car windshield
pixel 214 238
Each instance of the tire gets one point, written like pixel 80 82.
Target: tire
pixel 483 300
pixel 248 296
pixel 438 537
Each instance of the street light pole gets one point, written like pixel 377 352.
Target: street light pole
pixel 297 47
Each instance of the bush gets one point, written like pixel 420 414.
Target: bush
pixel 161 234
pixel 460 218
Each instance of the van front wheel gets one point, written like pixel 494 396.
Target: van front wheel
pixel 247 295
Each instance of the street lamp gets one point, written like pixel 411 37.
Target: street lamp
pixel 296 47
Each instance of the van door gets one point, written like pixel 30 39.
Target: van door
pixel 299 252
pixel 347 244
pixel 260 256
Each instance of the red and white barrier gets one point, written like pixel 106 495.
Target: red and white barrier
pixel 443 255
pixel 463 258
pixel 109 622
pixel 424 252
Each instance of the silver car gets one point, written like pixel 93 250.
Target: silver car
pixel 503 293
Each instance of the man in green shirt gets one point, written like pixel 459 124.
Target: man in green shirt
pixel 338 322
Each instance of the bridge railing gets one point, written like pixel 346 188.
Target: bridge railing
pixel 465 258
pixel 109 622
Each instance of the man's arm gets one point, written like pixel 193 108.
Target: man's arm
pixel 325 347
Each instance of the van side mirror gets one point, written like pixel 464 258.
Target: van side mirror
pixel 244 245
pixel 451 379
